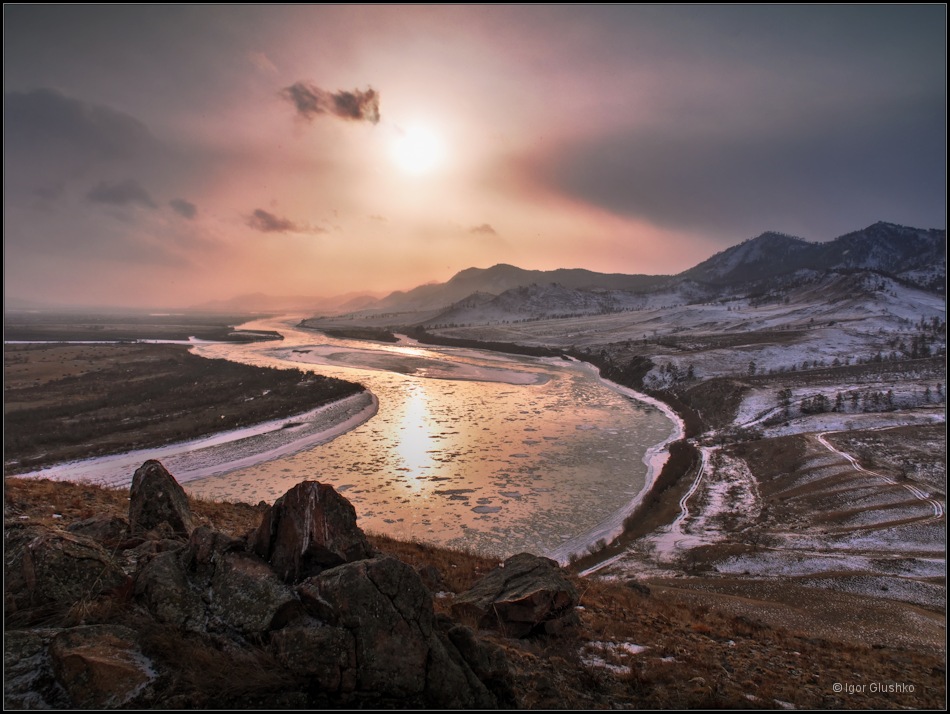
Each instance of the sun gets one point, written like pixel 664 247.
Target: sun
pixel 418 150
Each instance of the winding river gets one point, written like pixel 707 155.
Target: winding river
pixel 493 453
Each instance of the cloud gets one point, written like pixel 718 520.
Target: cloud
pixel 267 222
pixel 262 62
pixel 121 193
pixel 484 229
pixel 885 163
pixel 53 140
pixel 184 208
pixel 310 101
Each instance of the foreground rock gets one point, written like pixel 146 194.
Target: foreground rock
pixel 44 568
pixel 100 666
pixel 214 585
pixel 158 502
pixel 307 530
pixel 386 612
pixel 525 595
pixel 300 614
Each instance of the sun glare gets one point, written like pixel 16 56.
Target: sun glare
pixel 418 150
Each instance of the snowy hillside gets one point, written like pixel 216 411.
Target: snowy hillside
pixel 912 254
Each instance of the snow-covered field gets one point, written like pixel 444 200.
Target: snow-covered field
pixel 836 357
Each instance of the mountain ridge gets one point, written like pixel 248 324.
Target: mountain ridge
pixel 913 256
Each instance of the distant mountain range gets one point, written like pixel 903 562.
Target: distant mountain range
pixel 770 261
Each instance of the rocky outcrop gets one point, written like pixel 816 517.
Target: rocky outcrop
pixel 386 611
pixel 158 503
pixel 108 531
pixel 526 594
pixel 44 567
pixel 214 585
pixel 299 612
pixel 100 666
pixel 307 530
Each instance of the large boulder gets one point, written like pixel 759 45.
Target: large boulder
pixel 47 567
pixel 158 503
pixel 214 584
pixel 28 678
pixel 399 654
pixel 101 666
pixel 307 530
pixel 324 654
pixel 525 594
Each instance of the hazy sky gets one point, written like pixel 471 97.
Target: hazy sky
pixel 169 155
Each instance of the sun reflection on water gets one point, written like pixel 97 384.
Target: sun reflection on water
pixel 415 444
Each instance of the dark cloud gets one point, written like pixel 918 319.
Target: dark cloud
pixel 121 193
pixel 819 179
pixel 46 126
pixel 267 222
pixel 310 101
pixel 184 208
pixel 484 229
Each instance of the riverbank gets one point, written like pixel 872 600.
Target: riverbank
pixel 224 452
pixel 458 500
pixel 64 402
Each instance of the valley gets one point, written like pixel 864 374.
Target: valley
pixel 814 399
pixel 808 490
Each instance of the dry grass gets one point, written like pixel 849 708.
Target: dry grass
pixel 457 570
pixel 64 402
pixel 698 655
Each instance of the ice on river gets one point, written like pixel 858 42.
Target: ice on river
pixel 494 453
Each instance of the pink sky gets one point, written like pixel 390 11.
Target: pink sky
pixel 153 156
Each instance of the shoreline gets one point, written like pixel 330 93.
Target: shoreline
pixel 327 422
pixel 218 454
pixel 655 458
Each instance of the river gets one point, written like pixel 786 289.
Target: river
pixel 484 451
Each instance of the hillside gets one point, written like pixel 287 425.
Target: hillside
pixel 632 646
pixel 910 254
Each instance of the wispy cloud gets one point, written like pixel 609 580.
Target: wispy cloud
pixel 267 222
pixel 184 208
pixel 262 62
pixel 483 229
pixel 121 193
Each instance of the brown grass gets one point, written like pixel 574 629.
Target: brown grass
pixel 64 402
pixel 698 655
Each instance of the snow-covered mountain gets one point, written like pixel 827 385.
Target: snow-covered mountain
pixel 912 254
pixel 763 269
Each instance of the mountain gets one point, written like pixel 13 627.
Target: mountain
pixel 911 254
pixel 769 264
pixel 502 277
pixel 535 302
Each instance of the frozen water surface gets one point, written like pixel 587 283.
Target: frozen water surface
pixel 446 458
pixel 495 453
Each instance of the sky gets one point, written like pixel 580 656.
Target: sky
pixel 172 155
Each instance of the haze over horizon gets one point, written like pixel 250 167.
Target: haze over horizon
pixel 168 156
